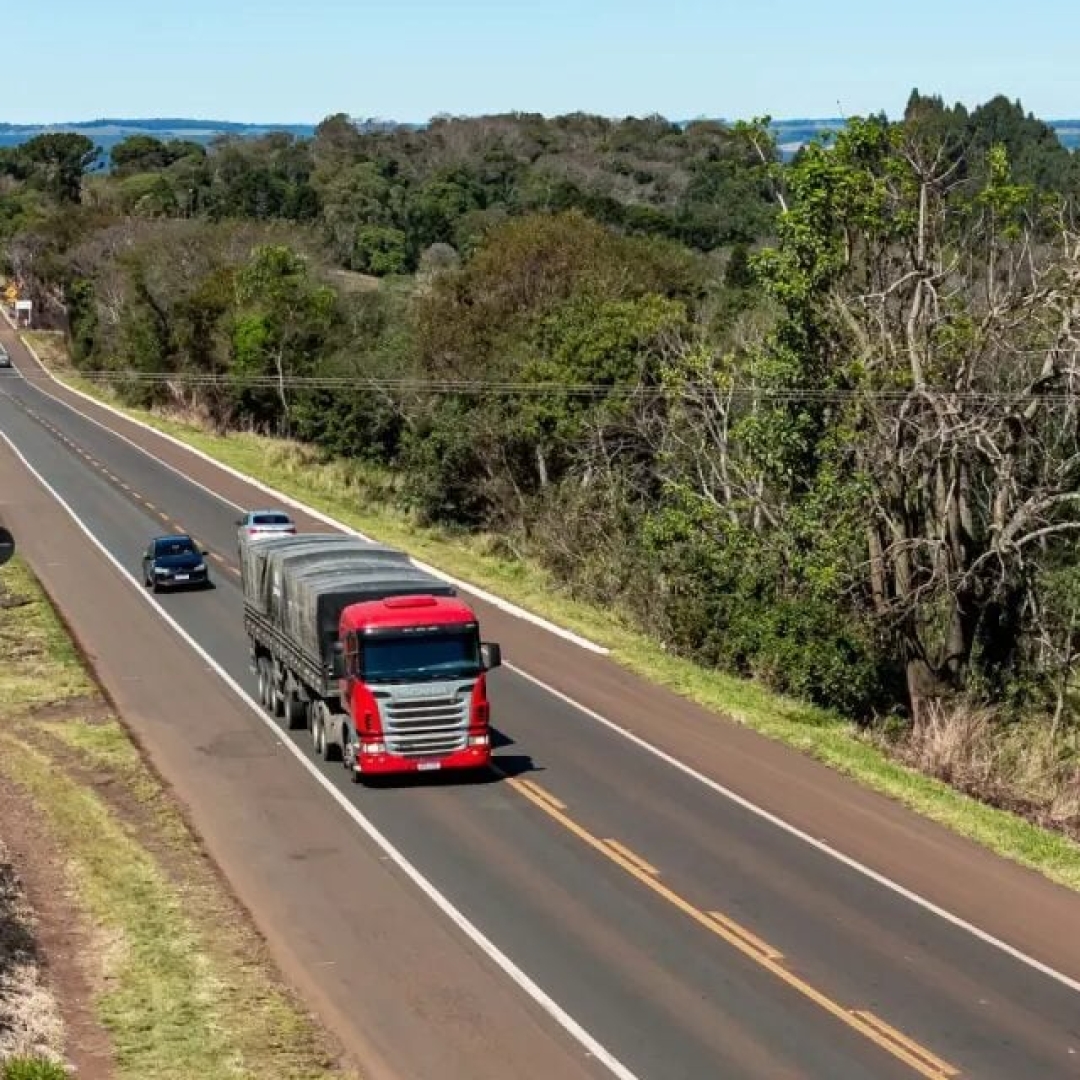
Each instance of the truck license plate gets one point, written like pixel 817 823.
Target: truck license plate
pixel 428 766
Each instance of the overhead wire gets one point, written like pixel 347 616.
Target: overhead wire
pixel 639 391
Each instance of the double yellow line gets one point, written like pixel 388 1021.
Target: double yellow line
pixel 871 1027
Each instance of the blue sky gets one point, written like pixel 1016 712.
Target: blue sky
pixel 274 61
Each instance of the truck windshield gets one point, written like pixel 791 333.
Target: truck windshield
pixel 421 656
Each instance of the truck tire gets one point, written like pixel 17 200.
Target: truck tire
pixel 295 712
pixel 264 682
pixel 319 716
pixel 347 757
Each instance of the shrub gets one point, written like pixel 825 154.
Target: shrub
pixel 35 1068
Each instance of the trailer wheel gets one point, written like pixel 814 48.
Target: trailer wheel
pixel 330 750
pixel 295 712
pixel 264 682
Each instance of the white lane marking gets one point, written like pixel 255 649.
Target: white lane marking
pixel 662 755
pixel 288 500
pixel 123 438
pixel 473 933
pixel 793 830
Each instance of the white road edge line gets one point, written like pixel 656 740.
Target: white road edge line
pixel 216 496
pixel 793 830
pixel 473 933
pixel 655 751
pixel 288 500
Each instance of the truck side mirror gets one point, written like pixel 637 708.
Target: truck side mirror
pixel 490 655
pixel 337 660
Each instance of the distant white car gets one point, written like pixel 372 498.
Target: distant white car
pixel 5 360
pixel 259 524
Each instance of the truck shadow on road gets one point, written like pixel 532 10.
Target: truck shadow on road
pixel 503 767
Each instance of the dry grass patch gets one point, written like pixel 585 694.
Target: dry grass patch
pixel 30 1021
pixel 185 987
pixel 51 348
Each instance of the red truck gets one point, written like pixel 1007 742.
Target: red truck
pixel 380 661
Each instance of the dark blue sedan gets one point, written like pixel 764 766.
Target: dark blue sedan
pixel 174 561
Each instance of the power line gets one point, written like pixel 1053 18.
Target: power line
pixel 602 391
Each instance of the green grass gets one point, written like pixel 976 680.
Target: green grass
pixel 359 497
pixel 39 664
pixel 32 1069
pixel 187 992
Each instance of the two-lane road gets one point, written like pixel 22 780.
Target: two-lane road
pixel 688 934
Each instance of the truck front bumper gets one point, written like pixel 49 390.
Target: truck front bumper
pixel 384 764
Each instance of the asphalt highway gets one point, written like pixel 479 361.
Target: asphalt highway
pixel 689 935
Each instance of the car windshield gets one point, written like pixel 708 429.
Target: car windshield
pixel 271 519
pixel 421 656
pixel 179 546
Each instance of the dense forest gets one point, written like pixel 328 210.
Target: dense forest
pixel 814 423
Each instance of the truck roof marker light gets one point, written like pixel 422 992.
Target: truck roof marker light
pixel 398 602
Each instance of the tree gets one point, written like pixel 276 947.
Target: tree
pixel 58 161
pixel 144 153
pixel 283 321
pixel 932 343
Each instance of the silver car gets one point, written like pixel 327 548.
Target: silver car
pixel 5 360
pixel 258 524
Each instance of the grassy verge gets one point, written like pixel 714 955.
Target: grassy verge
pixel 182 983
pixel 360 497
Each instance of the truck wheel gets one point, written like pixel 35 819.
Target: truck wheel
pixel 326 748
pixel 318 727
pixel 295 712
pixel 263 681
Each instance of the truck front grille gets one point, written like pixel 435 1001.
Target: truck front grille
pixel 423 727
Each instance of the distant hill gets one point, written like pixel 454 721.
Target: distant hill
pixel 106 133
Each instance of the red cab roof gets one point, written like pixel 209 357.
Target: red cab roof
pixel 402 611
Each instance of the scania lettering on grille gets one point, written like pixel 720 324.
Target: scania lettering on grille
pixel 425 690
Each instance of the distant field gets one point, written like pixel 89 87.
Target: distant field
pixel 791 134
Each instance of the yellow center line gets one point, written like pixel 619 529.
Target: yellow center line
pixel 632 857
pixel 537 792
pixel 876 1022
pixel 899 1045
pixel 730 924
